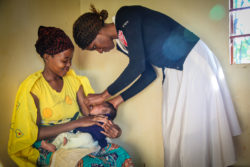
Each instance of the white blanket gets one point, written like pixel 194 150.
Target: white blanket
pixel 69 157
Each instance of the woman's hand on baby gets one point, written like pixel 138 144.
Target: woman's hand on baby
pixel 111 130
pixel 92 120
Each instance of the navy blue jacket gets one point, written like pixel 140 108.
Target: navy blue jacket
pixel 150 38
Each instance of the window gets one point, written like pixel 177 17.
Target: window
pixel 239 32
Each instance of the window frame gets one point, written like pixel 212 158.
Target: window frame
pixel 231 30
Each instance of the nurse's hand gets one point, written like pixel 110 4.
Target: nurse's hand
pixel 93 99
pixel 116 101
pixel 111 130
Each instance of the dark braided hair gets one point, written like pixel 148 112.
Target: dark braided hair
pixel 52 40
pixel 87 26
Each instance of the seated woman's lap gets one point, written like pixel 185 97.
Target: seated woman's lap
pixel 111 156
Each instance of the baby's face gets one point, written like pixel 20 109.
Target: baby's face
pixel 99 109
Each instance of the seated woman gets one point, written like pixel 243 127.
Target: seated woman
pixel 50 102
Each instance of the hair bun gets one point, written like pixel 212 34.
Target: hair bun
pixel 104 14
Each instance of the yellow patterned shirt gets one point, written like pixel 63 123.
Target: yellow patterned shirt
pixel 57 107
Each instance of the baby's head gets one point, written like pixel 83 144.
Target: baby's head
pixel 105 108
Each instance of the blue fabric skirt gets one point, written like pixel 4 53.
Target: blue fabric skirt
pixel 110 156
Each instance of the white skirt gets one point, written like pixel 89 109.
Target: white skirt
pixel 199 119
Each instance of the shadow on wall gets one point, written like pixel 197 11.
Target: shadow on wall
pixel 1 165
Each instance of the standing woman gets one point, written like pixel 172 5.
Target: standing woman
pixel 198 114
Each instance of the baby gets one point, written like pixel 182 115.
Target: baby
pixel 83 137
